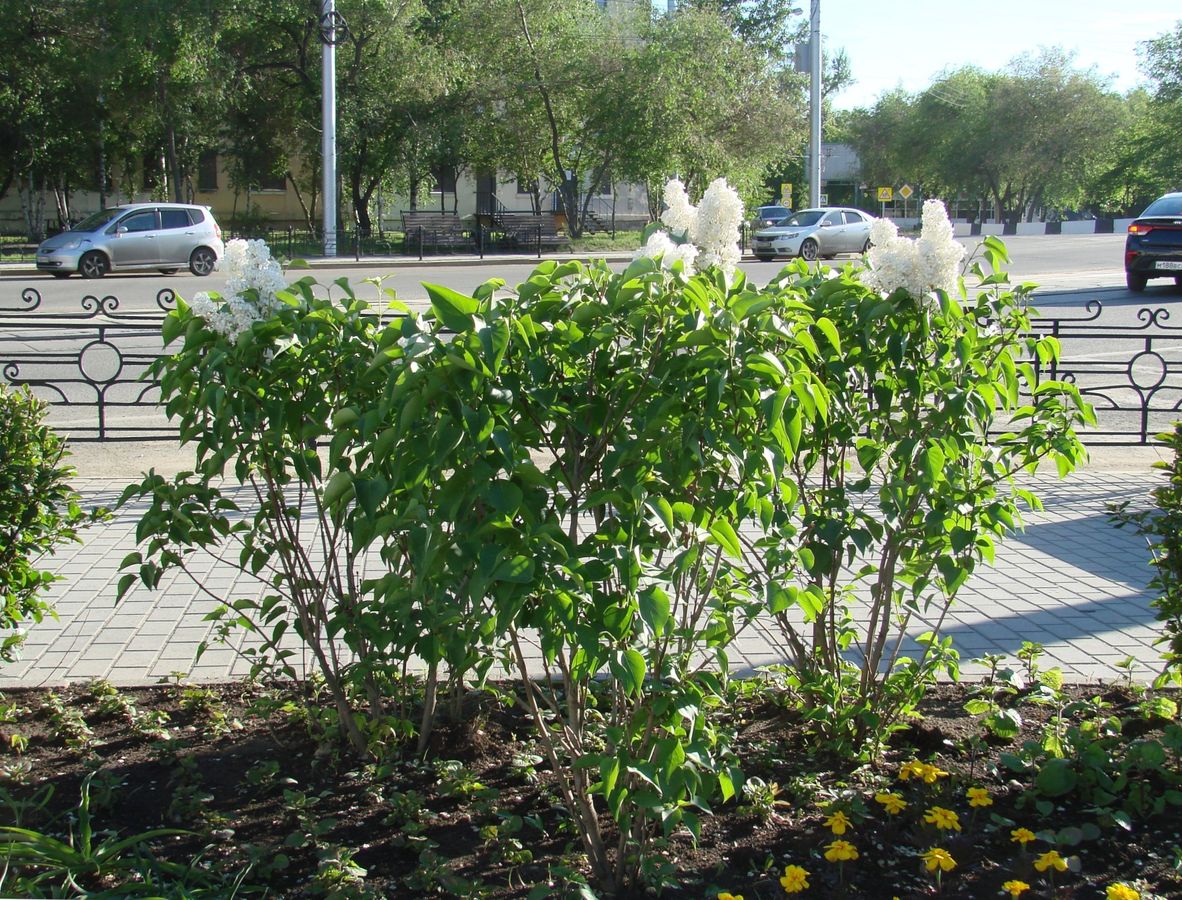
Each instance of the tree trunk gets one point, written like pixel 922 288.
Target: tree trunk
pixel 308 211
pixel 32 207
pixel 173 166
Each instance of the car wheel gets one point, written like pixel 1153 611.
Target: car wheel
pixel 1136 282
pixel 60 274
pixel 168 271
pixel 93 265
pixel 763 257
pixel 202 261
pixel 808 250
pixel 866 247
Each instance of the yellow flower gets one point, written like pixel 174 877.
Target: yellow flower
pixel 1015 888
pixel 1022 836
pixel 911 769
pixel 794 880
pixel 931 773
pixel 922 771
pixel 838 823
pixel 937 858
pixel 1121 891
pixel 725 896
pixel 942 818
pixel 893 803
pixel 1051 859
pixel 839 851
pixel 979 797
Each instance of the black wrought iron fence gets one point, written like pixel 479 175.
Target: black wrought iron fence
pixel 90 366
pixel 1130 373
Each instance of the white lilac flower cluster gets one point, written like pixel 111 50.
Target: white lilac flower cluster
pixel 701 236
pixel 931 263
pixel 253 279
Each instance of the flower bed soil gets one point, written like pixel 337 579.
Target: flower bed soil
pixel 265 797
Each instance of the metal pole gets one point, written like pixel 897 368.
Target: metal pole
pixel 815 105
pixel 328 37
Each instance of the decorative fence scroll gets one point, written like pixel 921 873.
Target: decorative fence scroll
pixel 1130 374
pixel 90 366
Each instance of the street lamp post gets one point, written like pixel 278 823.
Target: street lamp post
pixel 332 30
pixel 815 104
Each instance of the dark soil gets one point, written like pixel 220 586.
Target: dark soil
pixel 241 768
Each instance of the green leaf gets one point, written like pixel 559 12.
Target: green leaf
pixel 453 309
pixel 811 601
pixel 654 608
pixel 978 706
pixel 1056 778
pixel 661 508
pixel 724 534
pixel 518 570
pixel 629 669
pixel 828 329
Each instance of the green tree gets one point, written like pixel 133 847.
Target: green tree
pixel 708 106
pixel 46 108
pixel 38 511
pixel 1146 162
pixel 1023 138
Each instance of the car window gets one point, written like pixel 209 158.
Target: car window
pixel 196 216
pixel 139 221
pixel 805 219
pixel 834 218
pixel 95 221
pixel 174 218
pixel 1164 206
pixel 853 218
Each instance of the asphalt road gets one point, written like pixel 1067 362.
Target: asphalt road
pixel 1071 271
pixel 1068 270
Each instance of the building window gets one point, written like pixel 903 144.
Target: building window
pixel 271 182
pixel 604 188
pixel 207 171
pixel 445 182
pixel 527 186
pixel 153 171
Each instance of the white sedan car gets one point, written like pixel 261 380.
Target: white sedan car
pixel 815 233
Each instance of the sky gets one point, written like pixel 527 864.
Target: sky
pixel 907 43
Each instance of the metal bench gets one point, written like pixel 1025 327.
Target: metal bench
pixel 529 231
pixel 433 232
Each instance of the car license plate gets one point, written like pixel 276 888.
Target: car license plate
pixel 1169 266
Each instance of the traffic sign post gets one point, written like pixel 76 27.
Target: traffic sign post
pixel 786 195
pixel 885 196
pixel 905 192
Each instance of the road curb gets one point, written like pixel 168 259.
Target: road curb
pixel 25 270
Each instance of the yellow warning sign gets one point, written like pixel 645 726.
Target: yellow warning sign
pixel 885 195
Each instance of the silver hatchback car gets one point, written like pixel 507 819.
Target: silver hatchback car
pixel 810 233
pixel 164 236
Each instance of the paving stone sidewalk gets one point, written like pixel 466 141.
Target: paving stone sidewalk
pixel 1070 581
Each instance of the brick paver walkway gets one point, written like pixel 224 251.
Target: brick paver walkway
pixel 1070 581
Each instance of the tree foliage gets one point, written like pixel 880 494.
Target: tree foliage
pixel 563 93
pixel 38 512
pixel 1023 138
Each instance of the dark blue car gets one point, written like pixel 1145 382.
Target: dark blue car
pixel 770 216
pixel 1153 248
